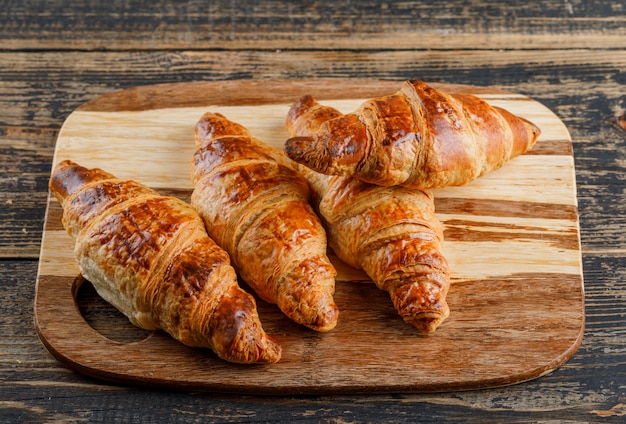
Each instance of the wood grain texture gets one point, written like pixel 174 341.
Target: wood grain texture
pixel 342 24
pixel 37 103
pixel 57 55
pixel 579 391
pixel 517 297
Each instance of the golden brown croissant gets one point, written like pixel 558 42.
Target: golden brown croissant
pixel 256 207
pixel 418 137
pixel 150 257
pixel 391 233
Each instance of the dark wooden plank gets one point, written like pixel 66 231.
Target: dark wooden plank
pixel 336 24
pixel 25 167
pixel 182 65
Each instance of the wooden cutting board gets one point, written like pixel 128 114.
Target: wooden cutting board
pixel 512 241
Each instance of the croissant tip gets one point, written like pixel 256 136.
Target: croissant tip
pixel 536 131
pixel 318 314
pixel 326 320
pixel 297 148
pixel 313 308
pixel 262 350
pixel 303 104
pixel 299 109
pixel 213 125
pixel 270 354
pixel 69 176
pixel 426 325
pixel 427 322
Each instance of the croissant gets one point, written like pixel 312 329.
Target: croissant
pixel 391 233
pixel 418 137
pixel 150 257
pixel 255 205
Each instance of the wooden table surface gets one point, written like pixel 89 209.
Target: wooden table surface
pixel 569 55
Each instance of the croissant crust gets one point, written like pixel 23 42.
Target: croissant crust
pixel 391 233
pixel 150 257
pixel 255 205
pixel 418 137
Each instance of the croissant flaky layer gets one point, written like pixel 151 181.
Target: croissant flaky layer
pixel 391 233
pixel 255 205
pixel 418 137
pixel 150 257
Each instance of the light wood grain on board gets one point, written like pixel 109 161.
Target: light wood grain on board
pixel 512 241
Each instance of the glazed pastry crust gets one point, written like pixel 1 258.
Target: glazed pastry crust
pixel 255 205
pixel 391 233
pixel 419 137
pixel 150 257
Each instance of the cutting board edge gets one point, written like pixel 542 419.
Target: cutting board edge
pixel 109 377
pixel 252 91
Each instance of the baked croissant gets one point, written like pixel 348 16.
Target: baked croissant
pixel 256 207
pixel 391 233
pixel 418 137
pixel 150 257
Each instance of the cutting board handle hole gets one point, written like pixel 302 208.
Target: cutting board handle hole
pixel 103 317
